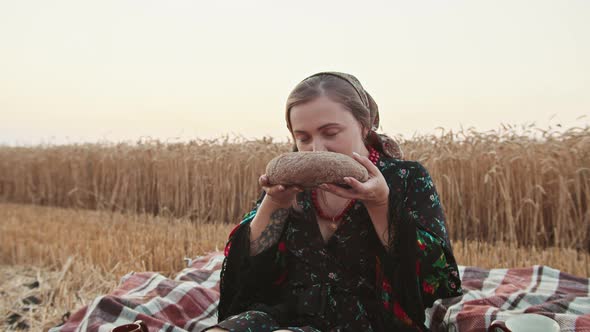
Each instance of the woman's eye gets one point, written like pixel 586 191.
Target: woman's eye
pixel 303 139
pixel 332 133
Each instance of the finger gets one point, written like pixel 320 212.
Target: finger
pixel 373 170
pixel 355 184
pixel 267 189
pixel 274 190
pixel 263 180
pixel 345 193
pixel 292 189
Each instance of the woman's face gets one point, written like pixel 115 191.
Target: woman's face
pixel 324 125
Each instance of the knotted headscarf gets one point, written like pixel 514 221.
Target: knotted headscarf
pixel 381 142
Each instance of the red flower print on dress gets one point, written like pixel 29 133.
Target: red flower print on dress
pixel 281 278
pixel 386 286
pixel 399 312
pixel 227 247
pixel 386 305
pixel 233 231
pixel 421 245
pixel 428 288
pixel 282 246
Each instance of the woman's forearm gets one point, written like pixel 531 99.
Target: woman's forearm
pixel 267 226
pixel 378 216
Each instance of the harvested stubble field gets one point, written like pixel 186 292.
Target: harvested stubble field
pixel 77 255
pixel 76 218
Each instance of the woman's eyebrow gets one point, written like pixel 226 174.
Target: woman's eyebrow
pixel 319 128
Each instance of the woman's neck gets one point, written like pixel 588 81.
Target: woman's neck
pixel 364 151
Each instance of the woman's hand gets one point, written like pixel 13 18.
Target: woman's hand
pixel 282 196
pixel 373 193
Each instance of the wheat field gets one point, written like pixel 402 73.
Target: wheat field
pixel 79 217
pixel 494 186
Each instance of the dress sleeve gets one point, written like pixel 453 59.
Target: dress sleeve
pixel 418 267
pixel 247 280
pixel 436 267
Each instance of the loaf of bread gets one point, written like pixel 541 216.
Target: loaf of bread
pixel 309 169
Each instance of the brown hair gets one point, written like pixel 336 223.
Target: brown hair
pixel 342 91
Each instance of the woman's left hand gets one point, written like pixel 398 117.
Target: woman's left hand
pixel 373 193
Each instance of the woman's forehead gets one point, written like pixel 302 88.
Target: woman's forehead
pixel 319 113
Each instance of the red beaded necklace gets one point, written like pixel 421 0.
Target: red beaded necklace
pixel 373 157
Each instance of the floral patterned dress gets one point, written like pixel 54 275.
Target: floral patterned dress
pixel 350 283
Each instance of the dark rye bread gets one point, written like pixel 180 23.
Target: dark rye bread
pixel 309 169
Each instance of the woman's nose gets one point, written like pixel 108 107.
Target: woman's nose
pixel 318 146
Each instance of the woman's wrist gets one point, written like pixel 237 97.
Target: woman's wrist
pixel 274 204
pixel 380 202
pixel 377 205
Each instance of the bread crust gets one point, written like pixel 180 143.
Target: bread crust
pixel 311 168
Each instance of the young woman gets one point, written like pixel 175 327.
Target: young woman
pixel 370 257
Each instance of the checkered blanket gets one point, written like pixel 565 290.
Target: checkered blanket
pixel 189 302
pixel 501 293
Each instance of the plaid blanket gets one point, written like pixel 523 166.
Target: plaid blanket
pixel 189 302
pixel 501 293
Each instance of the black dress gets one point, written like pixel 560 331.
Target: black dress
pixel 350 283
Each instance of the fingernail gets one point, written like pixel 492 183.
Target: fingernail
pixel 356 154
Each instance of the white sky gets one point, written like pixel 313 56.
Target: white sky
pixel 73 71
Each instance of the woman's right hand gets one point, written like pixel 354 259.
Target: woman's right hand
pixel 282 196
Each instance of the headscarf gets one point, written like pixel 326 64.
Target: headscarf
pixel 384 143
